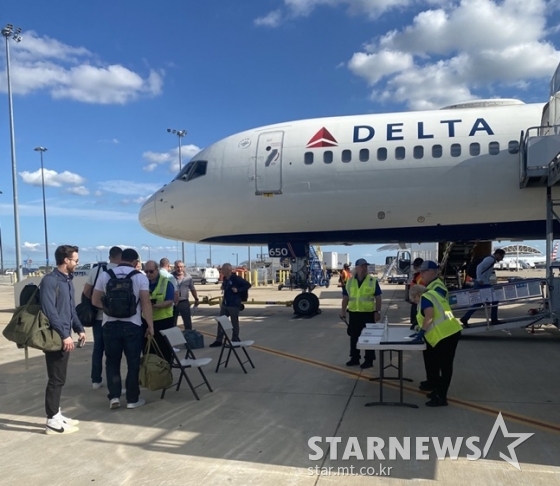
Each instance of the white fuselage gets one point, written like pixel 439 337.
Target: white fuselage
pixel 420 176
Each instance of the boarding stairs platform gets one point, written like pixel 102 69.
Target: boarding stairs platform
pixel 539 154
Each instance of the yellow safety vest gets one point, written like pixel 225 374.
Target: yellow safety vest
pixel 438 284
pixel 444 323
pixel 361 299
pixel 159 294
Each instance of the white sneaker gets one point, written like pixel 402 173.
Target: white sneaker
pixel 115 403
pixel 66 420
pixel 139 403
pixel 58 427
pixel 96 386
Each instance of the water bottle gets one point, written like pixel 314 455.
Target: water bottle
pixel 386 328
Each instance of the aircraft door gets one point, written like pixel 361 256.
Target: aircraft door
pixel 268 163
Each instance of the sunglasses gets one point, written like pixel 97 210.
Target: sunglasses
pixel 151 271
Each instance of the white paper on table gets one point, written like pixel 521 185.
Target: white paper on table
pixel 371 332
pixel 369 340
pixel 371 325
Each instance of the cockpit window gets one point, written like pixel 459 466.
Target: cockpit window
pixel 194 169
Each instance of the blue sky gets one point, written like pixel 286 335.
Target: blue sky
pixel 98 86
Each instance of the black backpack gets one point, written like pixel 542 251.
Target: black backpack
pixel 119 300
pixel 85 310
pixel 471 269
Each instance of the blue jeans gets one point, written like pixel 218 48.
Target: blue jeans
pixel 119 337
pixel 493 310
pixel 97 355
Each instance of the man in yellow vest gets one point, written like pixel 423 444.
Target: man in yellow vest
pixel 429 272
pixel 361 297
pixel 162 295
pixel 441 331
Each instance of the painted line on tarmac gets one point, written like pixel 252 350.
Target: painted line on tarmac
pixel 485 409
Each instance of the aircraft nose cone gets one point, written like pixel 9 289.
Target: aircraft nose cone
pixel 147 216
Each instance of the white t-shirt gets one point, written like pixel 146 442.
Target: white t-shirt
pixel 168 276
pixel 139 282
pixel 91 279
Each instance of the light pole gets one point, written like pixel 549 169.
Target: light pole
pixel 9 33
pixel 149 251
pixel 1 251
pixel 236 259
pixel 41 150
pixel 180 134
pixel 210 248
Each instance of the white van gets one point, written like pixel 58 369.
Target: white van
pixel 204 275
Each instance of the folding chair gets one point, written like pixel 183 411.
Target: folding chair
pixel 175 337
pixel 225 325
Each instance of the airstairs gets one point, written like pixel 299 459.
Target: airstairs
pixel 539 167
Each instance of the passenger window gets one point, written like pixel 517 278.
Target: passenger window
pixel 474 149
pixel 328 157
pixel 382 153
pixel 308 158
pixel 494 148
pixel 437 151
pixel 455 150
pixel 513 147
pixel 346 156
pixel 400 153
pixel 364 155
pixel 418 152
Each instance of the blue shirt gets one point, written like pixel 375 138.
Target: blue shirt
pixel 169 292
pixel 360 282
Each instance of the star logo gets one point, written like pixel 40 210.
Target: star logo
pixel 521 437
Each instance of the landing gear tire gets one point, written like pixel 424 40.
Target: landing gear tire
pixel 203 281
pixel 280 287
pixel 306 304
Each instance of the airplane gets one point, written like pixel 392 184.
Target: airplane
pixel 442 175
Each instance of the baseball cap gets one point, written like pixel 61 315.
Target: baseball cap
pixel 361 261
pixel 429 265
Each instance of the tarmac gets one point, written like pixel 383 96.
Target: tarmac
pixel 254 428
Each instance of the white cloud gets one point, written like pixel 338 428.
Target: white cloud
pixel 42 63
pixel 136 200
pixel 52 178
pixel 272 19
pixel 130 188
pixel 78 191
pixel 150 167
pixel 449 53
pixel 170 157
pixel 31 246
pixel 98 193
pixel 302 8
pixel 69 212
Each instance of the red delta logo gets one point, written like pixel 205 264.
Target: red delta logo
pixel 322 138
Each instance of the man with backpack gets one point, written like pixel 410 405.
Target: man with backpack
pixel 123 294
pixel 235 291
pixel 57 303
pixel 98 348
pixel 481 278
